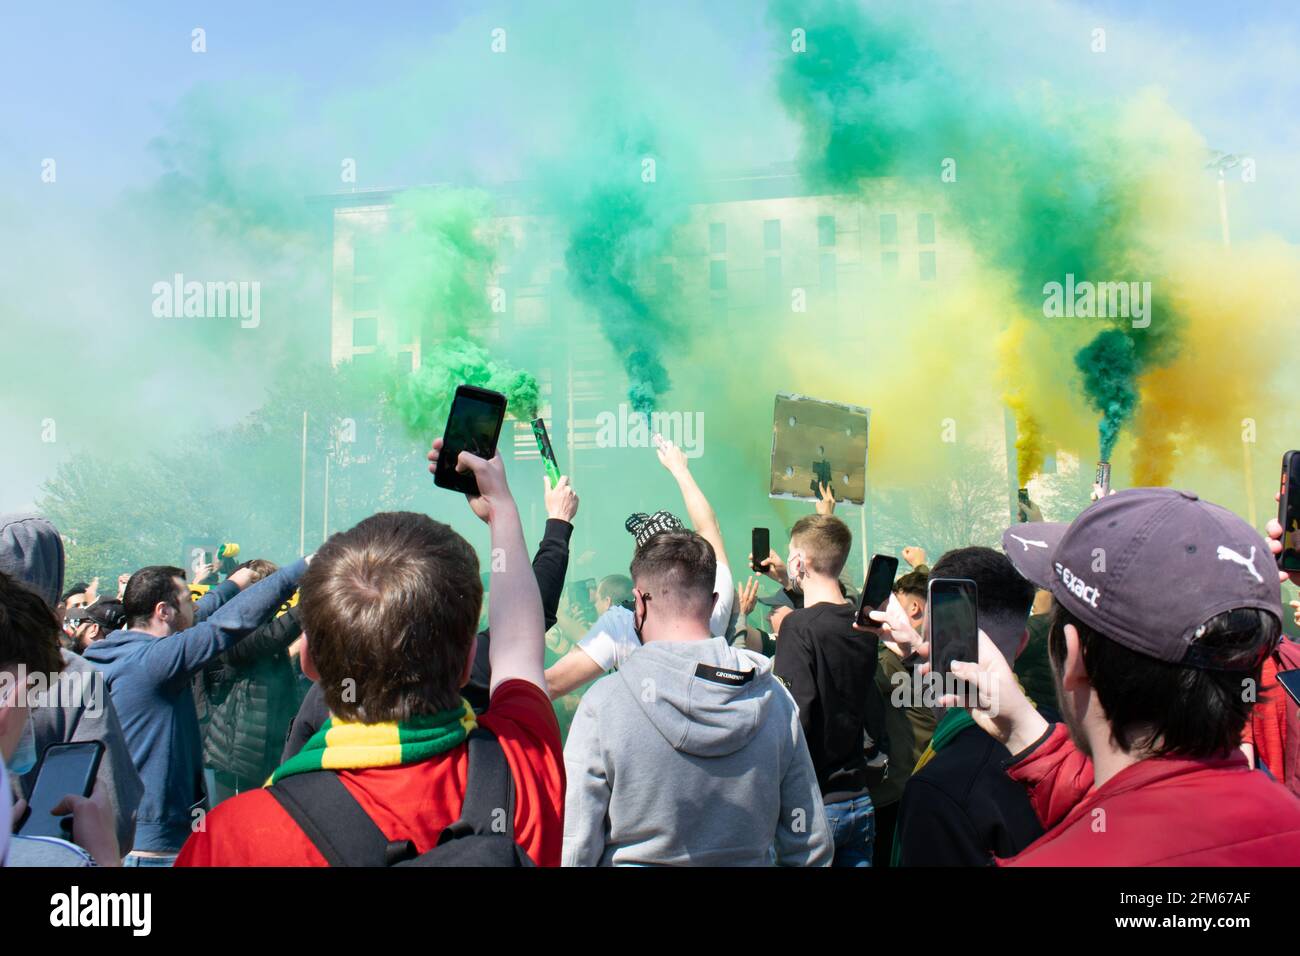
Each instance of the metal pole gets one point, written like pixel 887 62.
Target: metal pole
pixel 302 492
pixel 325 521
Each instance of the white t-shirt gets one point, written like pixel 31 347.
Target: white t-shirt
pixel 613 636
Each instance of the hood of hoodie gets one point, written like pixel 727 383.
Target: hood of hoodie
pixel 32 551
pixel 706 698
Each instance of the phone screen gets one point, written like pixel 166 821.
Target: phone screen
pixel 877 587
pixel 760 547
pixel 954 625
pixel 1290 681
pixel 473 426
pixel 64 769
pixel 1288 514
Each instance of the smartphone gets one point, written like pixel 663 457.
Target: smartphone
pixel 1288 512
pixel 1290 681
pixel 64 769
pixel 877 587
pixel 953 622
pixel 474 425
pixel 546 451
pixel 760 547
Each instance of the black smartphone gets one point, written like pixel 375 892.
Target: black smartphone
pixel 474 425
pixel 1288 512
pixel 64 769
pixel 877 587
pixel 952 619
pixel 760 548
pixel 1290 681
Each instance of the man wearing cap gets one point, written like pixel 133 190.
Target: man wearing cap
pixel 1166 606
pixel 612 638
pixel 92 622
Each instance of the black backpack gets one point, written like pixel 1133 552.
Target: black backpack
pixel 346 836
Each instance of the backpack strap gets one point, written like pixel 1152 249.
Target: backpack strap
pixel 489 791
pixel 335 823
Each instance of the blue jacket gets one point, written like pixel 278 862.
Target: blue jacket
pixel 149 680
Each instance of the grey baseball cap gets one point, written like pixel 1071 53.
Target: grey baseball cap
pixel 1147 567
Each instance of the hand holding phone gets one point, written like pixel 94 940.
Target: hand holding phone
pixel 65 768
pixel 877 588
pixel 491 490
pixel 952 620
pixel 473 427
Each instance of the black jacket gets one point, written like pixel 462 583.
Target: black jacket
pixel 252 696
pixel 550 565
pixel 961 809
pixel 830 670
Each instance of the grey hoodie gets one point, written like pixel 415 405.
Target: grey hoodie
pixel 691 754
pixel 32 552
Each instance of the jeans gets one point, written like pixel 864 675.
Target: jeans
pixel 853 830
pixel 134 859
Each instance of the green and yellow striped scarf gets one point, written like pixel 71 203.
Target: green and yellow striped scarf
pixel 343 745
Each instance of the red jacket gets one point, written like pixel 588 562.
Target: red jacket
pixel 1164 811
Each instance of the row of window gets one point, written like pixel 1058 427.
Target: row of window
pixel 825 232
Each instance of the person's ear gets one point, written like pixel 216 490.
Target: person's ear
pixel 468 669
pixel 1074 675
pixel 305 661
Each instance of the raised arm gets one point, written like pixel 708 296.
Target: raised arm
pixel 515 605
pixel 698 509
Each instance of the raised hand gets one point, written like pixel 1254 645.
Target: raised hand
pixel 747 596
pixel 561 501
pixel 490 475
pixel 914 556
pixel 825 499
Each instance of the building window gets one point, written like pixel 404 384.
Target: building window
pixel 925 229
pixel 927 266
pixel 365 331
pixel 825 230
pixel 717 275
pixel 826 266
pixel 772 235
pixel 363 258
pixel 365 297
pixel 889 230
pixel 718 238
pixel 889 263
pixel 772 277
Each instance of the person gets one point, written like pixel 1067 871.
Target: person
pixel 29 646
pixel 778 605
pixel 908 722
pixel 689 709
pixel 149 667
pixel 958 806
pixel 389 612
pixel 31 551
pixel 550 564
pixel 1166 606
pixel 612 638
pixel 614 590
pixel 829 668
pixel 249 693
pixel 92 622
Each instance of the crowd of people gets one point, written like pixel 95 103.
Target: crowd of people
pixel 355 707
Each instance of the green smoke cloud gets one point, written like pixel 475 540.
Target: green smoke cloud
pixel 1110 365
pixel 423 398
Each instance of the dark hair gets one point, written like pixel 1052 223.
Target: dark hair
pixel 826 539
pixel 616 587
pixel 260 567
pixel 81 587
pixel 29 631
pixel 1004 595
pixel 148 588
pixel 679 571
pixel 1166 708
pixel 390 608
pixel 914 583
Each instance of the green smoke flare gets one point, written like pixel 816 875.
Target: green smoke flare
pixel 1109 364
